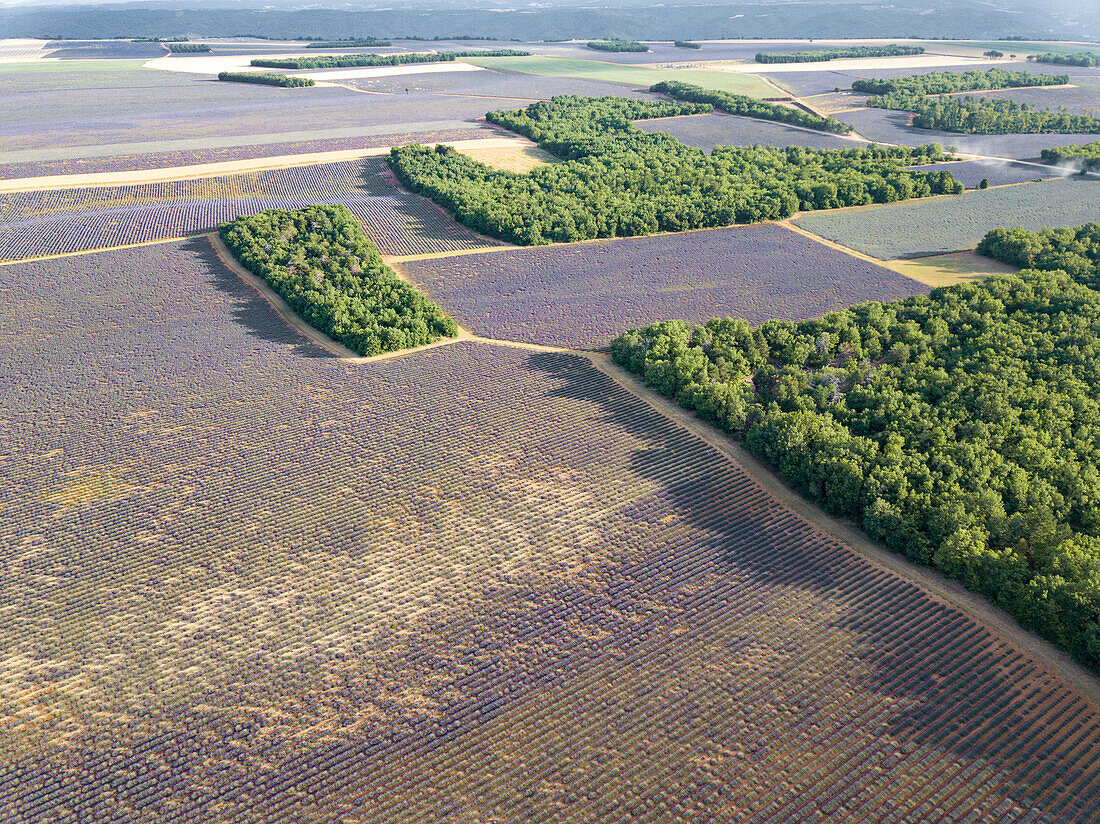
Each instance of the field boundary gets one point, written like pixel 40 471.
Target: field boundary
pixel 849 535
pixel 13 261
pixel 855 539
pixel 225 167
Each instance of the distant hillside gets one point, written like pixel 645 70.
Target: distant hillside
pixel 622 20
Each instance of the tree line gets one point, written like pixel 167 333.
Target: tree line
pixel 187 48
pixel 974 115
pixel 686 44
pixel 618 181
pixel 354 43
pixel 321 263
pixel 1086 59
pixel 1074 250
pixel 266 79
pixel 892 50
pixel 958 429
pixel 617 46
pixel 746 106
pixel 921 85
pixel 1088 155
pixel 345 61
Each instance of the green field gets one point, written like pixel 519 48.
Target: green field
pixel 735 82
pixel 54 66
pixel 938 225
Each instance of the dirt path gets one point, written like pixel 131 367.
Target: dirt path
pixel 228 167
pixel 941 587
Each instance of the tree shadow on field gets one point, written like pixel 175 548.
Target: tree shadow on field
pixel 675 675
pixel 249 307
pixel 953 684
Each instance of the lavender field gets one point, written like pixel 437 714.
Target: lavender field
pixel 357 566
pixel 705 131
pixel 162 160
pixel 582 295
pixel 887 126
pixel 952 224
pixel 999 173
pixel 170 106
pixel 34 224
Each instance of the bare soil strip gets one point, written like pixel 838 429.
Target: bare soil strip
pixel 228 167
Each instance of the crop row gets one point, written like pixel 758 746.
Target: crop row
pixel 581 295
pixel 159 160
pixel 47 223
pixel 496 569
pixel 919 228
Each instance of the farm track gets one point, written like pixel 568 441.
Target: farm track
pixel 942 588
pixel 230 167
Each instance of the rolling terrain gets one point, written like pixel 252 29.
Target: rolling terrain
pixel 496 578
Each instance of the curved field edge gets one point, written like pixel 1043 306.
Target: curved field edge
pixel 848 533
pixel 812 399
pixel 319 260
pixel 664 613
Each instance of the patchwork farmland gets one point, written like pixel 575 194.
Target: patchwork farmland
pixel 51 222
pixel 490 572
pixel 579 295
pixel 463 581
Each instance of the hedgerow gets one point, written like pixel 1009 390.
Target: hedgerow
pixel 266 79
pixel 836 54
pixel 347 61
pixel 617 46
pixel 620 181
pixel 749 106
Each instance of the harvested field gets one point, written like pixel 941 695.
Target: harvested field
pixel 510 89
pixel 520 159
pixel 75 121
pixel 22 49
pixel 947 270
pixel 999 173
pixel 887 126
pixel 937 225
pixel 582 295
pixel 165 160
pixel 403 70
pixel 705 131
pixel 34 224
pixel 402 563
